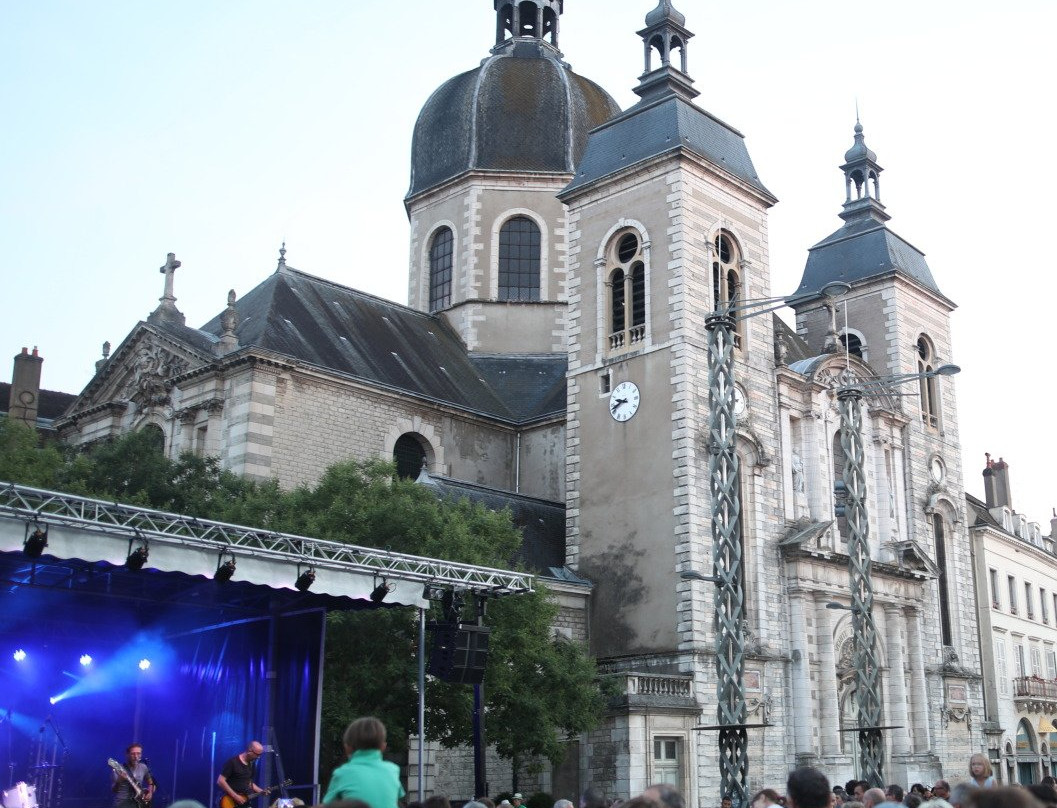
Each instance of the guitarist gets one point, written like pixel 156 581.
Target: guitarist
pixel 236 778
pixel 132 784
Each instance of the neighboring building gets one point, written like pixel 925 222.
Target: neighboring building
pixel 1016 585
pixel 25 401
pixel 564 257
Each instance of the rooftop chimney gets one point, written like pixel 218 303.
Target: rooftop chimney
pixel 996 484
pixel 25 387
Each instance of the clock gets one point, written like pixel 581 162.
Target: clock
pixel 624 401
pixel 739 402
pixel 937 470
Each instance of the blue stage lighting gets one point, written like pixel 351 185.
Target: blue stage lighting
pixel 144 664
pixel 53 699
pixel 86 660
pixel 19 655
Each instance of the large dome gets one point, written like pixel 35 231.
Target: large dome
pixel 522 110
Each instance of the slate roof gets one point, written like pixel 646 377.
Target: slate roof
pixel 795 345
pixel 50 403
pixel 652 128
pixel 523 109
pixel 358 335
pixel 541 521
pixel 863 248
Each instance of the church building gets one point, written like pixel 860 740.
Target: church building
pixel 564 256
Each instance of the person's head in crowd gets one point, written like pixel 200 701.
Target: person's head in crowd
pixel 726 802
pixel 664 795
pixel 917 788
pixel 485 801
pixel 895 793
pixel 912 800
pixel 516 800
pixel 348 804
pixel 764 797
pixel 593 799
pixel 860 790
pixel 807 787
pixel 563 804
pixel 873 797
pixel 1001 797
pixel 364 733
pixel 941 789
pixel 436 801
pixel 961 793
pixel 1044 793
pixel 979 767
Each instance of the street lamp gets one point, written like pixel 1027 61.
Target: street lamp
pixel 867 668
pixel 724 481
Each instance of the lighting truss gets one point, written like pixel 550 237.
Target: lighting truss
pixel 55 508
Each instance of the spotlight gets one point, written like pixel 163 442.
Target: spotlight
pixel 305 579
pixel 144 664
pixel 224 571
pixel 53 700
pixel 33 546
pixel 19 655
pixel 380 591
pixel 137 558
pixel 86 660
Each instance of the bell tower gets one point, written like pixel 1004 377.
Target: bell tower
pixel 526 19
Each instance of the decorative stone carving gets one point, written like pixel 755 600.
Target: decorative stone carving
pixel 150 382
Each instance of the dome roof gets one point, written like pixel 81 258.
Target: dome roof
pixel 523 109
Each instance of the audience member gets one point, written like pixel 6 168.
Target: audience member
pixel 808 788
pixel 365 776
pixel 1001 797
pixel 764 797
pixel 980 771
pixel 664 795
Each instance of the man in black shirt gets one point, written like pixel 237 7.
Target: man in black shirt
pixel 236 778
pixel 133 776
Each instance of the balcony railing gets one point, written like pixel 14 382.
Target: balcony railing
pixel 1035 693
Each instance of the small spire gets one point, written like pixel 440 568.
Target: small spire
pixel 527 19
pixel 862 180
pixel 282 256
pixel 665 33
pixel 106 355
pixel 665 12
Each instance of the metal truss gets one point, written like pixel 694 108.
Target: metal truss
pixel 32 505
pixel 867 669
pixel 724 482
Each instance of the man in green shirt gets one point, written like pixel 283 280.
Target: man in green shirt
pixel 366 776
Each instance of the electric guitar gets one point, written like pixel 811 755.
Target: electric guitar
pixel 227 801
pixel 141 797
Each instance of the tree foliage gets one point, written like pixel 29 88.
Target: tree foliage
pixel 538 690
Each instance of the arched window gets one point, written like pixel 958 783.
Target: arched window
pixel 155 436
pixel 627 291
pixel 440 269
pixel 930 400
pixel 726 277
pixel 941 563
pixel 519 260
pixel 410 456
pixel 852 344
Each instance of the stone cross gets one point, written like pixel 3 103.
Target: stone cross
pixel 169 270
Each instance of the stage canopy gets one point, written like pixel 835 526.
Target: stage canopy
pixel 96 653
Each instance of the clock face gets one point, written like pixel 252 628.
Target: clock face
pixel 624 401
pixel 739 401
pixel 937 470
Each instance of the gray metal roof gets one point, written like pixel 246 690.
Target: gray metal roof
pixel 863 248
pixel 523 109
pixel 352 333
pixel 541 521
pixel 650 129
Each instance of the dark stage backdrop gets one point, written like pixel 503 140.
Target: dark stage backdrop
pixel 206 694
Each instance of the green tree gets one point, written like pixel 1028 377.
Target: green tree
pixel 24 460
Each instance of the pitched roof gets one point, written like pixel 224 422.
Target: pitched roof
pixel 50 403
pixel 352 333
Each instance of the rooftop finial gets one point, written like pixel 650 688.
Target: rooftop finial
pixel 527 19
pixel 228 321
pixel 167 311
pixel 665 32
pixel 282 255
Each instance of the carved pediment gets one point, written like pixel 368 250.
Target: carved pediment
pixel 140 372
pixel 910 556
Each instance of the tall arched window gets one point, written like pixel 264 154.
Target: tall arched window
pixel 941 563
pixel 519 260
pixel 930 400
pixel 627 291
pixel 726 276
pixel 440 269
pixel 155 436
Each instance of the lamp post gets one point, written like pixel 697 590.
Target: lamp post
pixel 867 669
pixel 724 482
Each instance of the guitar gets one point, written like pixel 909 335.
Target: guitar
pixel 141 797
pixel 228 802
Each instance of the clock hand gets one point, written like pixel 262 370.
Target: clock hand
pixel 617 403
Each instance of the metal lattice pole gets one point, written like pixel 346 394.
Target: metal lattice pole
pixel 726 554
pixel 867 670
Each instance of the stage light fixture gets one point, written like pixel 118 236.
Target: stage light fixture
pixel 86 660
pixel 53 700
pixel 19 655
pixel 305 579
pixel 137 558
pixel 380 591
pixel 224 571
pixel 36 541
pixel 144 664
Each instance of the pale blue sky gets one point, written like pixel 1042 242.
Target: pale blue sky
pixel 217 129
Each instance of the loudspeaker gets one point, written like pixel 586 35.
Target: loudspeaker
pixel 459 652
